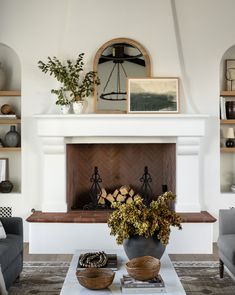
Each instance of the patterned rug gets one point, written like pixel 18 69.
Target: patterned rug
pixel 202 277
pixel 198 278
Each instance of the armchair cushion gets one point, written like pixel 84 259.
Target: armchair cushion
pixel 226 244
pixel 10 248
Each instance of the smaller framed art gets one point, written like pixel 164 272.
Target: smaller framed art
pixel 153 95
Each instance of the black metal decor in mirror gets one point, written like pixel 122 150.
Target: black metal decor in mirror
pixel 114 62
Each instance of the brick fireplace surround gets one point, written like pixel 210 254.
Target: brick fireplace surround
pixel 55 230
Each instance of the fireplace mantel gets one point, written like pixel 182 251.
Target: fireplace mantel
pixel 183 129
pixel 121 125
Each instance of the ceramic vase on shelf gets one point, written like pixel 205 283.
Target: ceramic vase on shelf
pixel 64 109
pixel 12 138
pixel 2 77
pixel 6 186
pixel 78 106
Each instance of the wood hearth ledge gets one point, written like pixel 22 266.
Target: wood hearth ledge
pixel 87 216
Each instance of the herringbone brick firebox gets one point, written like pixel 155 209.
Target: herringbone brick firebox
pixel 118 164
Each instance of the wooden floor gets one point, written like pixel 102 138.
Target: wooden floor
pixel 68 257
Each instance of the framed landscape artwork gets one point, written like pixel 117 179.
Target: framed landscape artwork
pixel 153 95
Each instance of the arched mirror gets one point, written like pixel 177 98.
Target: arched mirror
pixel 115 61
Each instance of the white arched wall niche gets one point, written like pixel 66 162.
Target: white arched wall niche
pixel 229 54
pixel 11 66
pixel 227 160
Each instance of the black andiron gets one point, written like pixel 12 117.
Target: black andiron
pixel 94 191
pixel 146 190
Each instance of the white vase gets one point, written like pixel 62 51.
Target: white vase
pixel 2 77
pixel 64 109
pixel 78 106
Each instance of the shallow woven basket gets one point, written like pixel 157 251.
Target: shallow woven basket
pixel 95 278
pixel 143 268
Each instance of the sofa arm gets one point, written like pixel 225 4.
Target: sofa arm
pixel 12 225
pixel 226 221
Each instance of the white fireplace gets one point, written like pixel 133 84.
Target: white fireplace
pixel 186 131
pixel 56 131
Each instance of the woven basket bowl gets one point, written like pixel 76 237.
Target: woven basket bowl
pixel 143 268
pixel 95 278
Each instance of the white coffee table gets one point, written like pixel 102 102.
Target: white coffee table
pixel 71 285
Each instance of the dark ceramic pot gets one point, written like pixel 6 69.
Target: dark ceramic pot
pixel 140 246
pixel 12 138
pixel 230 109
pixel 6 186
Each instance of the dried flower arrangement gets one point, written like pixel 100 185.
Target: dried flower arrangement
pixel 136 219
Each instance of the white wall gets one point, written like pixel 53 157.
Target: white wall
pixel 191 50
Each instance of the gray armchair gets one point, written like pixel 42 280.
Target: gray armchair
pixel 11 249
pixel 226 241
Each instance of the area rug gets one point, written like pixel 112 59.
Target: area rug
pixel 197 278
pixel 40 278
pixel 202 277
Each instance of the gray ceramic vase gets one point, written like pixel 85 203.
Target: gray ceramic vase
pixel 12 138
pixel 140 246
pixel 6 186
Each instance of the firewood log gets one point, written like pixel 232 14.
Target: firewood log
pixel 115 193
pixel 131 192
pixel 110 198
pixel 129 200
pixel 120 198
pixel 103 193
pixel 101 201
pixel 124 190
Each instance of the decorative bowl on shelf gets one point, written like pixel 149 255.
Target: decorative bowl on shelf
pixel 95 278
pixel 143 268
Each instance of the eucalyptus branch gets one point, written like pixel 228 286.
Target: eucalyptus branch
pixel 71 76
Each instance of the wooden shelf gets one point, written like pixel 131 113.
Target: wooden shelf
pixel 10 121
pixel 227 150
pixel 10 149
pixel 227 121
pixel 227 93
pixel 10 93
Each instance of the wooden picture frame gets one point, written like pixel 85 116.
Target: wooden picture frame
pixel 230 74
pixel 153 95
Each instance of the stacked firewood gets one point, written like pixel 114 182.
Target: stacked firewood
pixel 124 194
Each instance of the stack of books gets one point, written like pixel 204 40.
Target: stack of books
pixel 132 286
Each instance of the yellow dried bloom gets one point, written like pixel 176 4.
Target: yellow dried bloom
pixel 136 219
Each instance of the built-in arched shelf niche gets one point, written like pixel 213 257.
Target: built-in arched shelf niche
pixel 10 93
pixel 227 155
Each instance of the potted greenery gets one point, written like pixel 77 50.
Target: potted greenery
pixel 74 81
pixel 144 230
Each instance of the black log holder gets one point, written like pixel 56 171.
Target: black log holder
pixel 146 190
pixel 95 190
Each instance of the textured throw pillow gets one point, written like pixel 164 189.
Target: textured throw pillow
pixel 2 231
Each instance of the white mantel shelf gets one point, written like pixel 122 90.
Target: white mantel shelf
pixel 121 125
